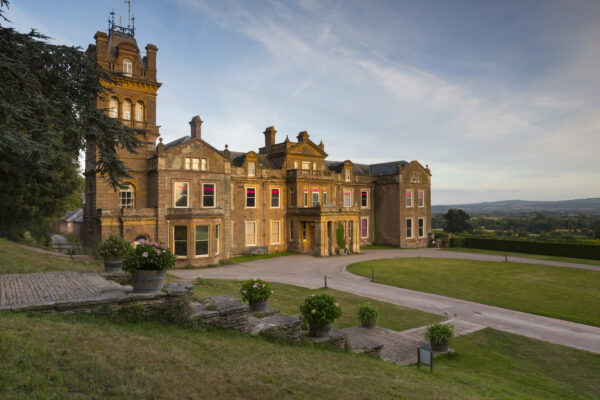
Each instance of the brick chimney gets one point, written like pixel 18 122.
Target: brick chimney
pixel 269 136
pixel 196 124
pixel 302 136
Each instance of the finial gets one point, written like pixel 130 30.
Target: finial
pixel 160 140
pixel 226 146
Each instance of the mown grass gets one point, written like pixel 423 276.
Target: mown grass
pixel 287 298
pixel 82 357
pixel 240 259
pixel 525 255
pixel 378 247
pixel 15 259
pixel 564 293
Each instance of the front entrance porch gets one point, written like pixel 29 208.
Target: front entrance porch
pixel 313 230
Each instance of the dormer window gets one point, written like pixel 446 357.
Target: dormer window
pixel 127 67
pixel 347 175
pixel 251 169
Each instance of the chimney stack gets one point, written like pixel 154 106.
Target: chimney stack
pixel 196 124
pixel 269 136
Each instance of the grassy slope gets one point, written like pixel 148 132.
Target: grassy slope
pixel 18 260
pixel 50 356
pixel 565 293
pixel 287 299
pixel 525 255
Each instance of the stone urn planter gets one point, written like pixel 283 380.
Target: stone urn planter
pixel 258 305
pixel 368 315
pixel 147 264
pixel 368 324
pixel 113 264
pixel 442 347
pixel 148 280
pixel 256 292
pixel 318 330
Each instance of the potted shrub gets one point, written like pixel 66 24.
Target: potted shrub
pixel 320 311
pixel 113 249
pixel 147 263
pixel 367 314
pixel 256 292
pixel 439 335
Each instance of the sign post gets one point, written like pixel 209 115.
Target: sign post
pixel 425 356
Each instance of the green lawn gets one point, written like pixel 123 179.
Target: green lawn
pixel 525 255
pixel 82 357
pixel 18 260
pixel 287 299
pixel 564 293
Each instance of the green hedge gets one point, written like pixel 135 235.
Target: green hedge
pixel 575 250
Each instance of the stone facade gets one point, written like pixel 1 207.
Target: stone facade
pixel 208 204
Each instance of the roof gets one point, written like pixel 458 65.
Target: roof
pixel 388 168
pixel 73 216
pixel 178 141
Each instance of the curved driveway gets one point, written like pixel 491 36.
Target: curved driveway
pixel 309 271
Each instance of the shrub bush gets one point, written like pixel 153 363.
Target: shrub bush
pixel 558 249
pixel 255 290
pixel 439 333
pixel 148 255
pixel 113 247
pixel 320 309
pixel 367 314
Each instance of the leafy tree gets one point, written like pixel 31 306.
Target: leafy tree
pixel 48 110
pixel 340 237
pixel 457 221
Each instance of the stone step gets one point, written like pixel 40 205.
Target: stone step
pixel 278 326
pixel 335 339
pixel 266 313
pixel 226 312
pixel 361 341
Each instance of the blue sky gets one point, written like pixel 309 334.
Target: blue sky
pixel 500 98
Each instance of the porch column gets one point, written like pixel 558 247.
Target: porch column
pixel 356 236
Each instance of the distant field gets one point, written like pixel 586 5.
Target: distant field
pixel 81 357
pixel 564 293
pixel 15 259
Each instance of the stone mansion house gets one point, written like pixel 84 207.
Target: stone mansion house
pixel 209 204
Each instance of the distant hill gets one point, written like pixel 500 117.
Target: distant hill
pixel 578 206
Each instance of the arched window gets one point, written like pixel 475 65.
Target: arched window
pixel 127 67
pixel 127 196
pixel 127 110
pixel 113 107
pixel 139 111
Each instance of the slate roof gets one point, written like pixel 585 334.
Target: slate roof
pixel 388 168
pixel 73 216
pixel 178 141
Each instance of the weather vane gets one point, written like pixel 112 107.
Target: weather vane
pixel 129 30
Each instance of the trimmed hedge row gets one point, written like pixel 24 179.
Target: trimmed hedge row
pixel 575 250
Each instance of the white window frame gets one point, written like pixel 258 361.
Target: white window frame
pixel 217 239
pixel 412 228
pixel 312 196
pixel 246 197
pixel 421 198
pixel 251 168
pixel 188 163
pixel 203 164
pixel 196 241
pixel 113 107
pixel 249 223
pixel 361 198
pixel 406 197
pixel 126 110
pixel 420 230
pixel 130 189
pixel 349 191
pixel 278 224
pixel 214 195
pixel 175 194
pixel 186 242
pixel 195 164
pixel 361 230
pixel 127 67
pixel 306 165
pixel 295 164
pixel 278 197
pixel 139 111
